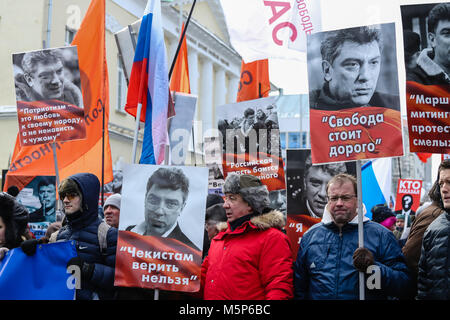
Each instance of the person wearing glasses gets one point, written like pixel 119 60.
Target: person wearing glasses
pixel 329 260
pixel 165 198
pixel 79 194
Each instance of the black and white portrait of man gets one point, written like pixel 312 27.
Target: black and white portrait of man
pixel 49 74
pixel 307 183
pixel 353 67
pixel 163 201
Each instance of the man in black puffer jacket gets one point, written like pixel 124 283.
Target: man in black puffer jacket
pixel 434 264
pixel 79 194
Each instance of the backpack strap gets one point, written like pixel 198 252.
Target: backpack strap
pixel 102 232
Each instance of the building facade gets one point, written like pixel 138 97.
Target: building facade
pixel 214 67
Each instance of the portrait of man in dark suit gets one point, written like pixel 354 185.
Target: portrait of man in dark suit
pixel 165 198
pixel 351 61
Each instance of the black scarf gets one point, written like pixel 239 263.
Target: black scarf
pixel 240 221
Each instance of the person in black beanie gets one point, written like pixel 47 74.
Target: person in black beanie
pixel 11 230
pixel 384 216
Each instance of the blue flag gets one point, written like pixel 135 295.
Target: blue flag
pixel 41 276
pixel 376 183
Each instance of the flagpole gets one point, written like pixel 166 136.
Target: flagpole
pixel 360 225
pixel 136 131
pixel 103 150
pixel 181 39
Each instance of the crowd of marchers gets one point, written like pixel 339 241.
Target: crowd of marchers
pixel 247 254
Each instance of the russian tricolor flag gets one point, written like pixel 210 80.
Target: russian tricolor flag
pixel 149 84
pixel 376 183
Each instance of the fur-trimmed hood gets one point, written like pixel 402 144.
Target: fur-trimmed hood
pixel 272 219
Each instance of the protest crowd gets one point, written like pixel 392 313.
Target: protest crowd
pixel 249 255
pixel 260 234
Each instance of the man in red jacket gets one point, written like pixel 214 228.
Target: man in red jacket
pixel 250 258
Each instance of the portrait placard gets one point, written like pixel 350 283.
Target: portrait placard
pixel 48 96
pixel 251 140
pixel 161 227
pixel 425 37
pixel 353 92
pixel 306 191
pixel 38 195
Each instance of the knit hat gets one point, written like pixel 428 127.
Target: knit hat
pixel 383 215
pixel 400 217
pixel 250 188
pixel 113 200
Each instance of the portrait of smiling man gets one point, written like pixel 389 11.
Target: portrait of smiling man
pixel 351 61
pixel 165 198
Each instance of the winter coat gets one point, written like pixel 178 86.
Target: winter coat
pixel 324 266
pixel 434 265
pixel 83 229
pixel 413 245
pixel 253 262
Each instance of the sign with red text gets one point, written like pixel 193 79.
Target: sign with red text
pixel 161 227
pixel 427 80
pixel 250 137
pixel 354 101
pixel 428 117
pixel 48 93
pixel 281 27
pixel 408 195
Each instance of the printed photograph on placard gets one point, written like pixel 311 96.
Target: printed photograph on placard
pixel 251 140
pixel 427 63
pixel 162 217
pixel 48 95
pixel 354 94
pixel 306 191
pixel 38 195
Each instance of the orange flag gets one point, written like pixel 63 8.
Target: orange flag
pixel 254 81
pixel 180 76
pixel 80 155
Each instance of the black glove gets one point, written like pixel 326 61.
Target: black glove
pixel 87 269
pixel 29 246
pixel 362 259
